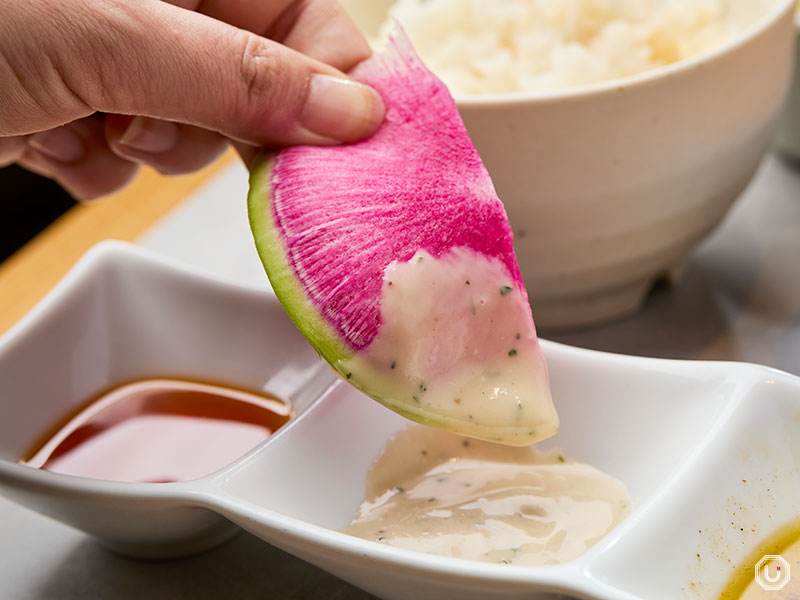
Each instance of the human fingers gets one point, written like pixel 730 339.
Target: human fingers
pixel 160 61
pixel 317 28
pixel 324 31
pixel 77 156
pixel 11 148
pixel 171 148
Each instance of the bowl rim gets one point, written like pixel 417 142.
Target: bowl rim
pixel 780 9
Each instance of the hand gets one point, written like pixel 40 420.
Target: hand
pixel 92 88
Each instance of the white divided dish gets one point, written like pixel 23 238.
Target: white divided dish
pixel 709 451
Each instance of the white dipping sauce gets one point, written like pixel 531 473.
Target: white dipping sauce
pixel 440 493
pixel 457 349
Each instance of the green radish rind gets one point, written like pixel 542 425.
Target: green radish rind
pixel 308 320
pixel 272 252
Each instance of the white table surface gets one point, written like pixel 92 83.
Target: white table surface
pixel 738 300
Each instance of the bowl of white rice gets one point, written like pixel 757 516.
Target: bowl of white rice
pixel 617 132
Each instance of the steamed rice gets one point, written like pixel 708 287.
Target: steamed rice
pixel 498 46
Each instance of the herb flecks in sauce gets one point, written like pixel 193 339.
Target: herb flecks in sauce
pixel 784 542
pixel 475 500
pixel 441 356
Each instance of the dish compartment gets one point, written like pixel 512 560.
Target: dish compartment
pixel 736 490
pixel 122 315
pixel 316 472
pixel 662 427
pixel 695 442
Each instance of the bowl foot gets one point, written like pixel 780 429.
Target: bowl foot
pixel 176 548
pixel 597 307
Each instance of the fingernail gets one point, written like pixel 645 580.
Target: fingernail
pixel 341 109
pixel 150 136
pixel 60 144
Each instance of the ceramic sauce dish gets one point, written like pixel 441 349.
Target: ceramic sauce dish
pixel 709 451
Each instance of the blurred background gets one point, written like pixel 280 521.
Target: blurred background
pixel 28 204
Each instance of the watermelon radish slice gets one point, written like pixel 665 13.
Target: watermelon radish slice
pixel 395 258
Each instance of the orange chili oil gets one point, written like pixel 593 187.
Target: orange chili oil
pixel 159 431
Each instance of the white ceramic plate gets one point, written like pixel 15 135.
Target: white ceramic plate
pixel 710 451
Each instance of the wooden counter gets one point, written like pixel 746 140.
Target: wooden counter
pixel 29 273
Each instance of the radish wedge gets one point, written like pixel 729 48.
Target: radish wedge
pixel 395 258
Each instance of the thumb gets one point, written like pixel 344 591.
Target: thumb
pixel 154 59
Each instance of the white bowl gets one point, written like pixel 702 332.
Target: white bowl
pixel 789 130
pixel 609 187
pixel 683 436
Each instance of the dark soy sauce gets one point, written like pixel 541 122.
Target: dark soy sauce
pixel 160 430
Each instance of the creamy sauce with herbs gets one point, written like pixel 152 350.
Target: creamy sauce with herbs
pixel 440 493
pixel 457 349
